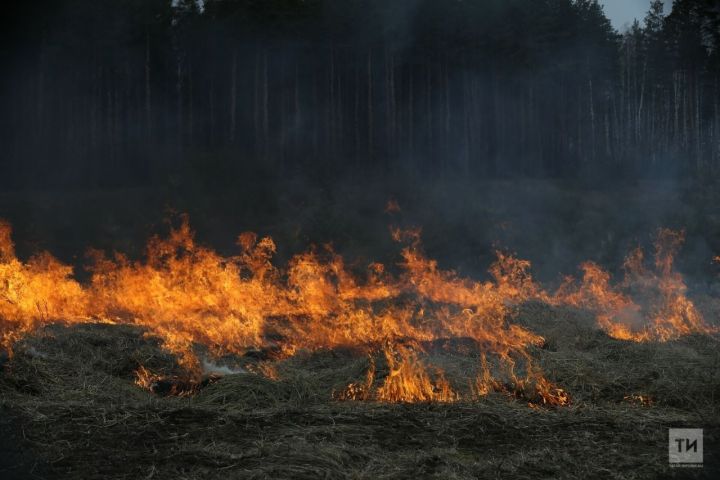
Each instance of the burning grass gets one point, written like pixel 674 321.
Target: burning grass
pixel 649 304
pixel 187 294
pixel 72 394
pixel 191 364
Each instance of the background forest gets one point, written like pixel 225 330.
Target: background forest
pixel 141 92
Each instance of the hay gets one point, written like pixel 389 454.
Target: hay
pixel 68 396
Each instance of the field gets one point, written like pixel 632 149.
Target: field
pixel 73 410
pixel 108 393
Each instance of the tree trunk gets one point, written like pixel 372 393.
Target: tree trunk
pixel 371 153
pixel 148 92
pixel 233 98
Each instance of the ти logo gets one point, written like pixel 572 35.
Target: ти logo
pixel 685 447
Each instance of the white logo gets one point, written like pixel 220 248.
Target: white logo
pixel 685 447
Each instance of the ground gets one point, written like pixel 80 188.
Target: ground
pixel 71 409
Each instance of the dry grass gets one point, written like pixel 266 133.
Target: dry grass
pixel 68 397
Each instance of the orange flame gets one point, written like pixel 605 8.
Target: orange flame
pixel 409 380
pixel 655 306
pixel 36 292
pixel 392 206
pixel 187 294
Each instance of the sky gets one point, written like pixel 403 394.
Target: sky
pixel 622 12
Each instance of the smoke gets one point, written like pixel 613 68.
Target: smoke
pixel 212 368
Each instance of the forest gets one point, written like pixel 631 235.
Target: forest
pixel 359 239
pixel 136 91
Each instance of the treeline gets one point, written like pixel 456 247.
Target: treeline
pixel 132 91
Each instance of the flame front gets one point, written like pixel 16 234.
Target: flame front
pixel 649 304
pixel 187 294
pixel 36 292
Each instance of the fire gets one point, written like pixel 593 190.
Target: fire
pixel 187 294
pixel 392 206
pixel 145 379
pixel 640 400
pixel 534 388
pixel 170 385
pixel 36 292
pixel 615 311
pixel 409 380
pixel 649 304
